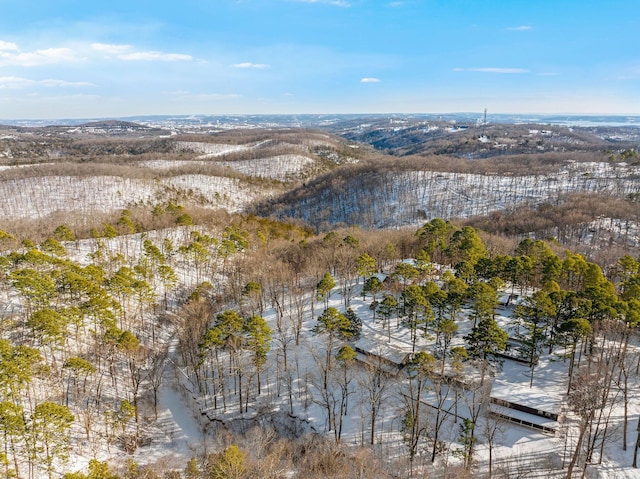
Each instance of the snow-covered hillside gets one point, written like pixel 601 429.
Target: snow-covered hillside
pixel 210 150
pixel 281 167
pixel 38 197
pixel 398 198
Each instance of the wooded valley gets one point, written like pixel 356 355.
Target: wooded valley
pixel 290 303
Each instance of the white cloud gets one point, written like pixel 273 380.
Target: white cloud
pixel 259 66
pixel 64 84
pixel 155 56
pixel 111 49
pixel 520 28
pixel 370 80
pixel 38 57
pixel 18 82
pixel 8 46
pixel 127 53
pixel 10 55
pixel 14 82
pixel 492 70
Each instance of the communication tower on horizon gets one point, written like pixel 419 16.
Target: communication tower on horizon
pixel 484 122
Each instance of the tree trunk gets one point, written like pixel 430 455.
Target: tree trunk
pixel 571 365
pixel 635 450
pixel 490 461
pixel 435 438
pixel 259 383
pixel 373 425
pixel 576 452
pixel 240 389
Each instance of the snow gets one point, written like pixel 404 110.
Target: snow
pixel 169 164
pixel 179 429
pixel 183 416
pixel 411 197
pixel 183 435
pixel 38 197
pixel 467 194
pixel 230 192
pixel 512 384
pixel 282 167
pixel 210 150
pixel 517 415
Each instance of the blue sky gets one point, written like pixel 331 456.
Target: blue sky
pixel 90 59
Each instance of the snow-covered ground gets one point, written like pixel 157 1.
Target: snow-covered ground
pixel 462 195
pixel 401 198
pixel 210 150
pixel 38 197
pixel 411 197
pixel 184 416
pixel 515 445
pixel 281 167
